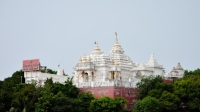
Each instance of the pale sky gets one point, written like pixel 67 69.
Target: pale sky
pixel 61 31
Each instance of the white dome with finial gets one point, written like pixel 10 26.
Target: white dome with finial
pixel 117 49
pixel 96 50
pixel 84 58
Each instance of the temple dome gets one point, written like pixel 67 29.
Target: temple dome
pixel 88 59
pixel 117 48
pixel 84 58
pixel 96 50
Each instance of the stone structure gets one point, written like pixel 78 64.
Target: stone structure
pixel 114 74
pixel 40 78
pixel 177 72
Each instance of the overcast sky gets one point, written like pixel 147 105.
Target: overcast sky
pixel 61 31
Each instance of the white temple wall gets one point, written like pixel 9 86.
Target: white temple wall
pixel 40 78
pixel 126 75
pixel 146 73
pixel 158 71
pixel 143 73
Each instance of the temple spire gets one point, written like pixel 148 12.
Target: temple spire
pixel 97 50
pixel 152 60
pixel 116 42
pixel 117 47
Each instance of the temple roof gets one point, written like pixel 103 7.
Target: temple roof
pixel 179 67
pixel 117 58
pixel 117 47
pixel 174 70
pixel 96 50
pixel 153 62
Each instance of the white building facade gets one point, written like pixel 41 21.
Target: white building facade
pixel 114 69
pixel 40 78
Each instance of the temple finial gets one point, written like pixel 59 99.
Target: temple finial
pixel 116 38
pixel 116 34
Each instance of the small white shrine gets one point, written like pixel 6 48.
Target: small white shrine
pixel 116 68
pixel 177 72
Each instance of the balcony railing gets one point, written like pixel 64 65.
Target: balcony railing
pixel 117 83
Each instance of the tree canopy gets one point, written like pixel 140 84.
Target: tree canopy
pixel 181 95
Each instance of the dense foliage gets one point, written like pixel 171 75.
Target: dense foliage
pixel 106 104
pixel 50 71
pixel 155 95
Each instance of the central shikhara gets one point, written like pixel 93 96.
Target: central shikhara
pixel 115 69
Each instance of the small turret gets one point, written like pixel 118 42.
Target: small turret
pixel 84 58
pixel 152 60
pixel 179 67
pixel 96 50
pixel 59 72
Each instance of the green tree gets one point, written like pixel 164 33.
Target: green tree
pixel 84 100
pixel 6 91
pixel 48 71
pixel 192 73
pixel 15 107
pixel 188 90
pixel 148 104
pixel 147 84
pixel 70 90
pixel 169 102
pixel 57 97
pixel 160 87
pixel 61 103
pixel 106 104
pixel 44 103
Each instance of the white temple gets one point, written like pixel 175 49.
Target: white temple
pixel 177 72
pixel 99 69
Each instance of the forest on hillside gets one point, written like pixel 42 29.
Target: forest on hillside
pixel 154 95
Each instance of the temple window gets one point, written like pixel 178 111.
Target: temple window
pixel 86 77
pixel 112 75
pixel 92 76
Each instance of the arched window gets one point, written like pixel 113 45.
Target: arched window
pixel 86 77
pixel 92 76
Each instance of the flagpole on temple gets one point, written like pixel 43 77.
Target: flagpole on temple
pixel 116 34
pixel 59 66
